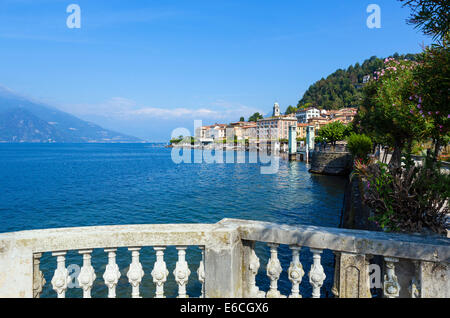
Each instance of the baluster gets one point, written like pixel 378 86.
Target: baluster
pixel 337 272
pixel 135 272
pixel 414 288
pixel 295 272
pixel 159 272
pixel 181 272
pixel 38 276
pixel 391 287
pixel 87 274
pixel 201 271
pixel 368 257
pixel 112 273
pixel 273 271
pixel 316 274
pixel 254 267
pixel 61 277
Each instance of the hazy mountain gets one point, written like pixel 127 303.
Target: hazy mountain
pixel 24 120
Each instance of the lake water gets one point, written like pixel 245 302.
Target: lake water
pixel 68 185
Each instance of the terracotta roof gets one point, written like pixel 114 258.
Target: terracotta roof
pixel 239 123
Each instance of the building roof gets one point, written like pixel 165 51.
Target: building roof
pixel 281 117
pixel 306 109
pixel 248 126
pixel 239 123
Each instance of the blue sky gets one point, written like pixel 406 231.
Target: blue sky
pixel 147 67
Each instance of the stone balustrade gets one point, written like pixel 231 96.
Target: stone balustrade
pixel 229 264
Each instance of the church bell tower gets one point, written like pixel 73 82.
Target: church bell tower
pixel 276 110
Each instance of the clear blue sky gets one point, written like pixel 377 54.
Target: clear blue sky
pixel 147 67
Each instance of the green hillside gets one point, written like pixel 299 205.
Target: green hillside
pixel 343 87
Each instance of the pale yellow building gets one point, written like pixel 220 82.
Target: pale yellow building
pixel 275 127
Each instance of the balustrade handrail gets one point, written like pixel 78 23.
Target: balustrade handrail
pixel 78 238
pixel 230 263
pixel 410 246
pixel 419 247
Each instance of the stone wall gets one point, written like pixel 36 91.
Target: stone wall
pixel 355 214
pixel 428 281
pixel 331 163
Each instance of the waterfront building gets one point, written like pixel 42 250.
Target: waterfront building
pixel 275 127
pixel 344 115
pixel 318 122
pixel 244 130
pixel 201 132
pixel 250 131
pixel 217 132
pixel 305 114
pixel 208 134
pixel 301 130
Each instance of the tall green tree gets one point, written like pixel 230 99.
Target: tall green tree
pixel 332 132
pixel 291 110
pixel 255 117
pixel 430 16
pixel 432 83
pixel 388 112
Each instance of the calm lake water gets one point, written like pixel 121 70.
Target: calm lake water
pixel 68 185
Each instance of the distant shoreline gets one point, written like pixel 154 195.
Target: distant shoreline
pixel 83 143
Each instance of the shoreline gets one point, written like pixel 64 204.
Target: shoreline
pixel 229 147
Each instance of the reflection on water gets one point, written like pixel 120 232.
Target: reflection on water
pixel 49 186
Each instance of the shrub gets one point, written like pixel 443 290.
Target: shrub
pixel 408 200
pixel 175 140
pixel 359 145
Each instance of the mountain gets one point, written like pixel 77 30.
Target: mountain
pixel 343 87
pixel 24 120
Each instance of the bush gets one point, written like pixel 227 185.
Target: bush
pixel 408 200
pixel 175 141
pixel 359 145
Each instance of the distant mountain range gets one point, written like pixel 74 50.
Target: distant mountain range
pixel 23 120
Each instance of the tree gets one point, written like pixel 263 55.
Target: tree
pixel 431 16
pixel 291 110
pixel 359 146
pixel 343 88
pixel 332 132
pixel 388 111
pixel 242 119
pixel 432 82
pixel 255 117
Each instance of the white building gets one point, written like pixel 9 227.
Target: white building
pixel 306 114
pixel 217 132
pixel 207 134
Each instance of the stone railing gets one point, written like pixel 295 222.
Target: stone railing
pixel 229 264
pixel 320 147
